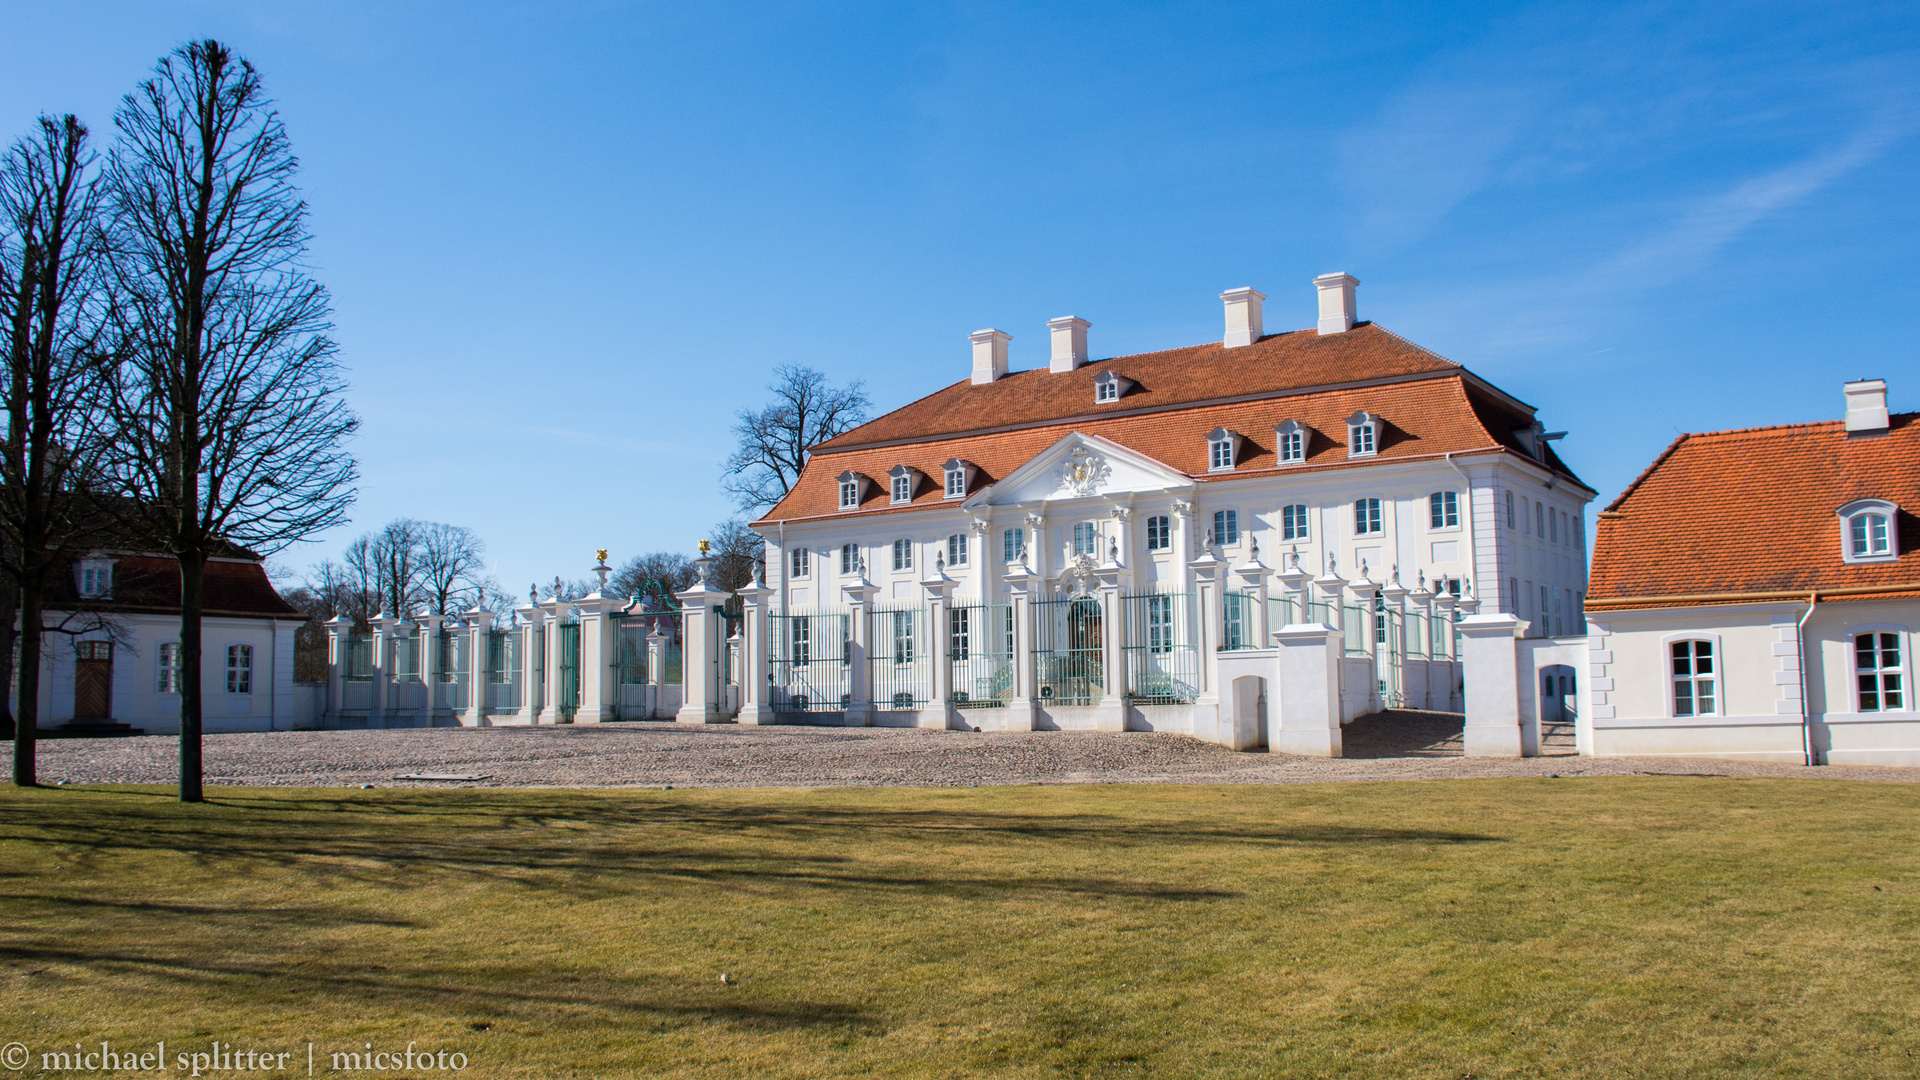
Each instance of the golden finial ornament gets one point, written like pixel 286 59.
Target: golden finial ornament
pixel 601 554
pixel 703 547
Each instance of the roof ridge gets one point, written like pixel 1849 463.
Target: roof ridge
pixel 1412 344
pixel 1646 472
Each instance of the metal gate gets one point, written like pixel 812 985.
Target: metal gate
pixel 634 658
pixel 1163 660
pixel 980 648
pixel 898 646
pixel 809 660
pixel 1390 644
pixel 569 697
pixel 1067 635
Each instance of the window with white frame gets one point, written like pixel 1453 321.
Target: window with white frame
pixel 1545 626
pixel 1876 666
pixel 849 558
pixel 239 669
pixel 903 554
pixel 1086 538
pixel 96 578
pixel 956 483
pixel 1226 527
pixel 959 633
pixel 800 640
pixel 903 487
pixel 1366 517
pixel 849 491
pixel 1159 533
pixel 1694 679
pixel 1222 446
pixel 957 549
pixel 1293 522
pixel 1443 510
pixel 1540 520
pixel 1290 442
pixel 1105 391
pixel 1509 509
pixel 1013 545
pixel 1553 525
pixel 799 562
pixel 902 637
pixel 1363 434
pixel 1159 624
pixel 1867 531
pixel 169 668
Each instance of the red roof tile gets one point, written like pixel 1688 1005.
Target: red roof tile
pixel 149 583
pixel 1752 511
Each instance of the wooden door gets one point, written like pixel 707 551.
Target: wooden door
pixel 93 681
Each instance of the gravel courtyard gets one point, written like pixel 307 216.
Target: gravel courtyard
pixel 1407 747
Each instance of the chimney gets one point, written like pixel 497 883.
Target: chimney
pixel 1243 316
pixel 1336 301
pixel 989 355
pixel 1866 407
pixel 1069 343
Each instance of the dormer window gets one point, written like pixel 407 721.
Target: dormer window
pixel 959 478
pixel 1363 434
pixel 1223 449
pixel 96 578
pixel 1290 442
pixel 853 488
pixel 1868 533
pixel 1108 387
pixel 903 481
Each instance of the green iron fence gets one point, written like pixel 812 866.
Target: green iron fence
pixel 453 646
pixel 1236 630
pixel 980 648
pixel 811 668
pixel 1067 635
pixel 898 649
pixel 505 665
pixel 1162 653
pixel 568 698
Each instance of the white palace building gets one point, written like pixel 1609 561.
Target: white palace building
pixel 1269 533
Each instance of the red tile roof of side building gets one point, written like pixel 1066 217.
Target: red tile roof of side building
pixel 151 584
pixel 1729 515
pixel 1429 407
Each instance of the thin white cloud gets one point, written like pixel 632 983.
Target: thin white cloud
pixel 1430 149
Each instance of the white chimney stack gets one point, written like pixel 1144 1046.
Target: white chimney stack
pixel 989 355
pixel 1243 316
pixel 1867 407
pixel 1336 301
pixel 1069 343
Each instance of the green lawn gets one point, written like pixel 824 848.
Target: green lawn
pixel 1605 927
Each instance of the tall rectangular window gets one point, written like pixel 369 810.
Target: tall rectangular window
pixel 903 637
pixel 1086 540
pixel 1545 627
pixel 849 494
pixel 1293 446
pixel 957 549
pixel 1540 520
pixel 903 488
pixel 1693 678
pixel 239 669
pixel 799 562
pixel 849 558
pixel 1876 664
pixel 960 633
pixel 1159 532
pixel 903 554
pixel 801 638
pixel 170 668
pixel 1159 624
pixel 1366 517
pixel 1226 527
pixel 956 483
pixel 1220 454
pixel 1553 525
pixel 1293 522
pixel 1013 545
pixel 1509 509
pixel 1443 509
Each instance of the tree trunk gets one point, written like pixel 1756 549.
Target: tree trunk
pixel 9 639
pixel 193 567
pixel 26 719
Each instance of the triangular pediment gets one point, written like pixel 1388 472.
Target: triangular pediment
pixel 1082 466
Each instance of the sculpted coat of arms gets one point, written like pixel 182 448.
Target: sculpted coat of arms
pixel 1084 471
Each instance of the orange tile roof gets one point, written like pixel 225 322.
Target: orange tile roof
pixel 1428 417
pixel 1752 511
pixel 1298 360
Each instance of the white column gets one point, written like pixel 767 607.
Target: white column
pixel 984 557
pixel 429 664
pixel 338 628
pixel 938 713
pixel 383 626
pixel 599 688
pixel 1253 578
pixel 1020 583
pixel 699 655
pixel 1307 721
pixel 859 711
pixel 1120 548
pixel 556 615
pixel 479 623
pixel 755 652
pixel 532 662
pixel 1493 685
pixel 1364 591
pixel 1113 708
pixel 1182 514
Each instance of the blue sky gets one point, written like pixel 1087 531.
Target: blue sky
pixel 566 241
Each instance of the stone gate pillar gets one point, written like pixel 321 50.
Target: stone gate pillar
pixel 338 629
pixel 938 713
pixel 479 625
pixel 1019 581
pixel 1492 662
pixel 383 627
pixel 700 648
pixel 1307 719
pixel 755 669
pixel 859 712
pixel 599 675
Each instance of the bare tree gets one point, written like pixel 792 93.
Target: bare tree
pixel 774 441
pixel 401 577
pixel 739 555
pixel 54 305
pixel 452 563
pixel 651 576
pixel 230 424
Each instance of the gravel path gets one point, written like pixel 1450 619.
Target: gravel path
pixel 633 754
